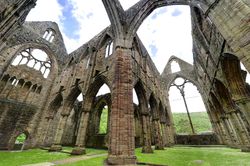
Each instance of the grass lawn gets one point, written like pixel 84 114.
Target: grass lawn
pixel 29 157
pixel 185 156
pixel 37 155
pixel 176 156
pixel 193 156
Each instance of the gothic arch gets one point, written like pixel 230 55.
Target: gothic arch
pixel 147 7
pixel 18 48
pixel 141 93
pixel 233 74
pixel 92 90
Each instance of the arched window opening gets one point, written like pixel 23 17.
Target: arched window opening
pixel 188 109
pixel 21 82
pixel 34 58
pixel 49 35
pixel 103 90
pixel 175 67
pixel 19 142
pixel 13 80
pixel 39 89
pixel 88 62
pixel 103 126
pixel 135 97
pixel 80 98
pixel 109 49
pixel 33 89
pixel 6 78
pixel 247 73
pixel 27 85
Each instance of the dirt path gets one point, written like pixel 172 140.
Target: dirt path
pixel 68 160
pixel 75 159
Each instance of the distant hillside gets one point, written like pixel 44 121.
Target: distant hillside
pixel 200 122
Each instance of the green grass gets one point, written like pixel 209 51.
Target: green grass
pixel 29 157
pixel 37 155
pixel 176 156
pixel 200 122
pixel 190 156
pixel 185 156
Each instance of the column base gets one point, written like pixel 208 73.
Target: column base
pixel 146 149
pixel 159 148
pixel 78 151
pixel 55 148
pixel 121 160
pixel 245 149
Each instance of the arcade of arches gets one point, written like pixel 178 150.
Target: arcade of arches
pixel 39 97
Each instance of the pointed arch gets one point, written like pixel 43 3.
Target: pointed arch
pixel 141 94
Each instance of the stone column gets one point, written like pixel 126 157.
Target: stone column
pixel 218 132
pixel 122 134
pixel 244 123
pixel 146 134
pixel 226 135
pixel 164 134
pixel 240 130
pixel 244 105
pixel 157 135
pixel 81 136
pixel 170 134
pixel 59 133
pixel 232 132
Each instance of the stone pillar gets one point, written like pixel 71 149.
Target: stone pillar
pixel 122 135
pixel 218 132
pixel 240 130
pixel 244 123
pixel 157 135
pixel 170 135
pixel 59 133
pixel 164 134
pixel 81 136
pixel 226 134
pixel 232 132
pixel 244 105
pixel 232 140
pixel 146 134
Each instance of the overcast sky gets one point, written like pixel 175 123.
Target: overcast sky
pixel 166 32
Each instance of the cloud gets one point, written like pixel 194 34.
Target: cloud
pixel 153 49
pixel 46 10
pixel 176 12
pixel 171 35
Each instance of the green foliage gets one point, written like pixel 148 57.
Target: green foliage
pixel 200 122
pixel 20 139
pixel 104 121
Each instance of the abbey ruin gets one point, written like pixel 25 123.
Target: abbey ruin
pixel 38 96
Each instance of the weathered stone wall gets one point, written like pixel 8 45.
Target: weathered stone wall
pixel 203 139
pixel 220 42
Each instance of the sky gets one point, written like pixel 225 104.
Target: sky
pixel 166 32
